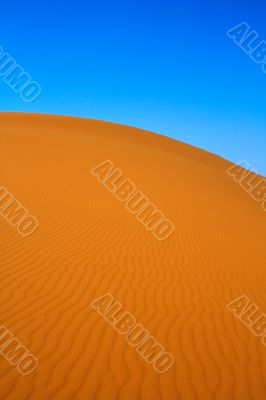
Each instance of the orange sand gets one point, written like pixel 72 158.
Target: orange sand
pixel 88 244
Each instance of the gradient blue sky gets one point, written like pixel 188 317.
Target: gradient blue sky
pixel 166 66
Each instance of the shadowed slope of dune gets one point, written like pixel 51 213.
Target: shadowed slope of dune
pixel 88 244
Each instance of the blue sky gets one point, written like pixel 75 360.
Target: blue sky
pixel 168 67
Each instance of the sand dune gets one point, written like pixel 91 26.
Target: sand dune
pixel 88 244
